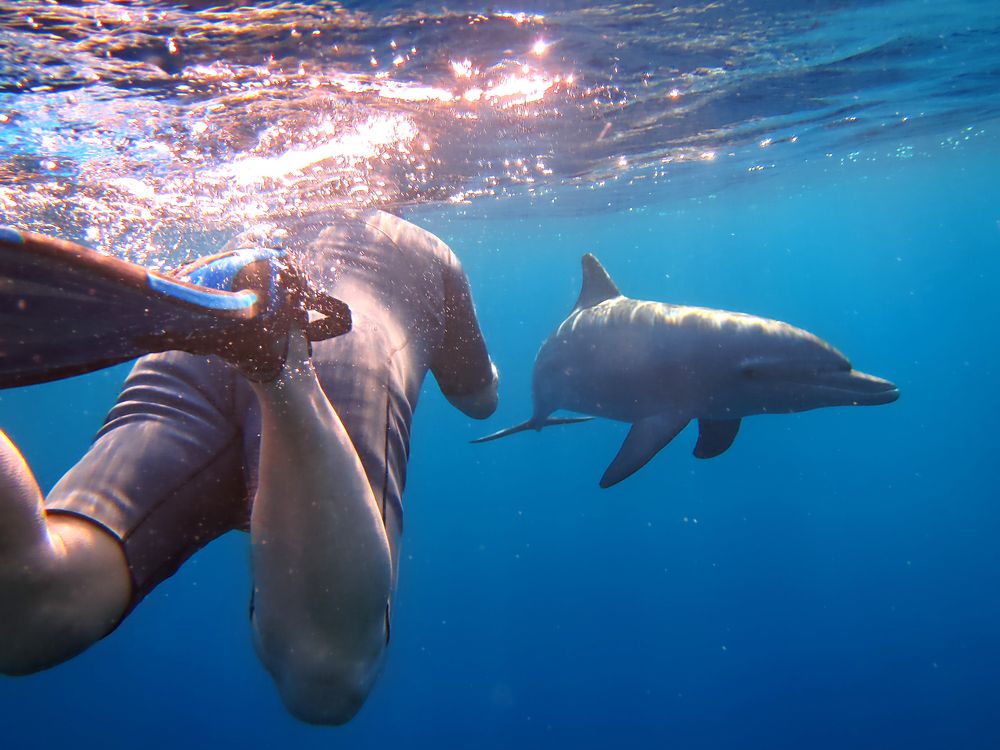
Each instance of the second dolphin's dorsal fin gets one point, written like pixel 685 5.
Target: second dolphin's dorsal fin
pixel 597 285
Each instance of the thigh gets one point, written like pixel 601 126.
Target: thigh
pixel 165 473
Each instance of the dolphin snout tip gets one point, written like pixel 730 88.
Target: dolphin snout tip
pixel 886 397
pixel 872 390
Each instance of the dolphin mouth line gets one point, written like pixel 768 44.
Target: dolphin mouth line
pixel 865 397
pixel 860 386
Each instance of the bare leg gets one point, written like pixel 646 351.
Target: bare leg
pixel 321 559
pixel 64 581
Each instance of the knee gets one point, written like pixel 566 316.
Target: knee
pixel 59 598
pixel 322 689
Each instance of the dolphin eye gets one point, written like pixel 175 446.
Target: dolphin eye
pixel 756 368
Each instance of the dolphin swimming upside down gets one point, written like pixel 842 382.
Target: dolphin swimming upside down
pixel 658 366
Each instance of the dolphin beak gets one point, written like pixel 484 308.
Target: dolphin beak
pixel 860 388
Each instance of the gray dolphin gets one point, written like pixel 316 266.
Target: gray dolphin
pixel 658 366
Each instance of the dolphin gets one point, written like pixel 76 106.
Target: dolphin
pixel 657 366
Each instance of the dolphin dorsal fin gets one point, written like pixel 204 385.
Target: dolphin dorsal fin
pixel 597 285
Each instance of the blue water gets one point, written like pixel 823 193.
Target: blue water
pixel 829 582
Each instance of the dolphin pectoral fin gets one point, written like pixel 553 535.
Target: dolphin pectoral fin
pixel 715 436
pixel 646 438
pixel 530 425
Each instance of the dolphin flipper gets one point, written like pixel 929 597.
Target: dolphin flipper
pixel 646 438
pixel 530 425
pixel 715 436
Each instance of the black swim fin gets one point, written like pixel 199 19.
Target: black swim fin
pixel 67 310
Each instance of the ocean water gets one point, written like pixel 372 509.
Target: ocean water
pixel 829 582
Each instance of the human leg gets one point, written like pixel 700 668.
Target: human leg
pixel 64 582
pixel 321 556
pixel 163 478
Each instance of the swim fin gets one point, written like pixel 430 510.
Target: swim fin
pixel 67 310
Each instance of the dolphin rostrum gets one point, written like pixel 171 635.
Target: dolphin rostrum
pixel 658 366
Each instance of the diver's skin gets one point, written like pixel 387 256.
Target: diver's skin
pixel 71 581
pixel 323 556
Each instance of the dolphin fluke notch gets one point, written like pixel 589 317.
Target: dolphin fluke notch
pixel 530 425
pixel 597 284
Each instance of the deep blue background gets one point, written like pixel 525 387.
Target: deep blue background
pixel 829 582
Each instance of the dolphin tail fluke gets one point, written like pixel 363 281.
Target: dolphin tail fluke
pixel 530 425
